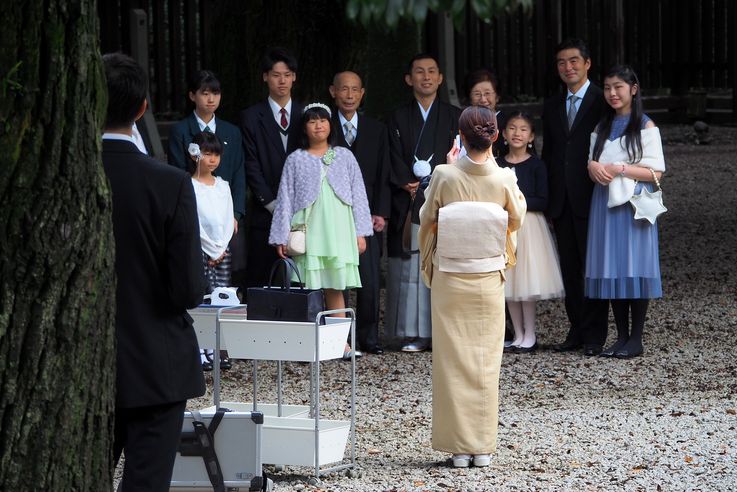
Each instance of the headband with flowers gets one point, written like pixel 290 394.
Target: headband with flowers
pixel 318 105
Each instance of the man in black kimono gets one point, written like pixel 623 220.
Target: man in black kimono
pixel 421 130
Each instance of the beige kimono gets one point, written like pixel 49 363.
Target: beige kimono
pixel 467 311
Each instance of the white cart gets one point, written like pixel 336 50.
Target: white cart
pixel 292 434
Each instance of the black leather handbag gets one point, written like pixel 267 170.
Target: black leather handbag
pixel 284 303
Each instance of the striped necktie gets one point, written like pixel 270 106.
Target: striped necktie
pixel 572 110
pixel 350 137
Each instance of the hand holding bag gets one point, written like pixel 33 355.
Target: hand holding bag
pixel 649 205
pixel 284 303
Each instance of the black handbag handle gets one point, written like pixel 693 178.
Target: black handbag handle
pixel 289 265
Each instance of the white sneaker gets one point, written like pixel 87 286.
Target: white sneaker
pixel 461 460
pixel 481 460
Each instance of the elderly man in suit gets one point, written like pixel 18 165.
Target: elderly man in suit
pixel 271 131
pixel 568 120
pixel 158 262
pixel 368 139
pixel 421 130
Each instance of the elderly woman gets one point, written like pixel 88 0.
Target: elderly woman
pixel 466 239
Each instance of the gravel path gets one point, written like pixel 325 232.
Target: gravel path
pixel 664 421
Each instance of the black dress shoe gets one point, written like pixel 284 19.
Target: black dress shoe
pixel 225 364
pixel 591 351
pixel 374 349
pixel 207 366
pixel 567 346
pixel 627 354
pixel 525 350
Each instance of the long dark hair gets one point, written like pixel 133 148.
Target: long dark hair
pixel 632 139
pixel 316 113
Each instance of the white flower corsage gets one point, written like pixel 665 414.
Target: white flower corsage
pixel 194 150
pixel 329 156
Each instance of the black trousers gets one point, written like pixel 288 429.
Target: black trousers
pixel 367 297
pixel 149 436
pixel 588 317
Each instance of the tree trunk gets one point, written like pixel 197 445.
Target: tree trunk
pixel 57 286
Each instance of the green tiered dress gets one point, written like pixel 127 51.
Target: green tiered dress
pixel 331 258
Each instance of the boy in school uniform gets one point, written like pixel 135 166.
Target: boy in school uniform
pixel 271 131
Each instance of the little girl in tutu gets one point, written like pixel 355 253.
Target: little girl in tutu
pixel 537 273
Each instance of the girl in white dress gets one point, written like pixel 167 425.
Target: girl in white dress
pixel 215 213
pixel 537 273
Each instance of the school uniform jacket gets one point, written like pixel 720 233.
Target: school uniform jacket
pixel 265 154
pixel 232 162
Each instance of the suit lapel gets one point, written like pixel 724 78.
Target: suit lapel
pixel 563 114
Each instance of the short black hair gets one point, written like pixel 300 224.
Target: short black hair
pixel 574 43
pixel 316 113
pixel 205 80
pixel 276 55
pixel 422 56
pixel 127 86
pixel 208 142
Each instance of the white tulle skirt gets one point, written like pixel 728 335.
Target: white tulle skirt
pixel 536 275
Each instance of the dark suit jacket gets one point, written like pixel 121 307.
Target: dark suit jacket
pixel 566 152
pixel 232 162
pixel 158 262
pixel 371 149
pixel 265 154
pixel 404 128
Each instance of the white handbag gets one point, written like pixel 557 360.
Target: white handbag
pixel 297 241
pixel 648 205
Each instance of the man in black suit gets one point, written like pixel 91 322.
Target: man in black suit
pixel 158 263
pixel 421 130
pixel 271 131
pixel 368 139
pixel 568 120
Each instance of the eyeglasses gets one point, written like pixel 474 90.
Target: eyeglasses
pixel 478 95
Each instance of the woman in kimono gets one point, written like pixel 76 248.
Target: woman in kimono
pixel 471 211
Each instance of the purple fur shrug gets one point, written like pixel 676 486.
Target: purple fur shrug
pixel 300 186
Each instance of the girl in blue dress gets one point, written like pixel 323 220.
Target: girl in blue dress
pixel 622 258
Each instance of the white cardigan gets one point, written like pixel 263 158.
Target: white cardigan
pixel 622 188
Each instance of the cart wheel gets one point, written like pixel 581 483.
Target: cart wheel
pixel 352 473
pixel 314 481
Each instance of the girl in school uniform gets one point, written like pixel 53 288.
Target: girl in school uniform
pixel 215 213
pixel 537 274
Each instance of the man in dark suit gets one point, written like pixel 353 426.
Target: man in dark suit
pixel 368 139
pixel 421 130
pixel 568 120
pixel 271 131
pixel 158 263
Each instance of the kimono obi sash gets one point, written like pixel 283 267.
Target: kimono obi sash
pixel 471 237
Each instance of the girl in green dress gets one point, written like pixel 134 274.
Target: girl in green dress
pixel 322 187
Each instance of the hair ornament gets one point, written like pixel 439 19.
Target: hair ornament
pixel 318 105
pixel 194 150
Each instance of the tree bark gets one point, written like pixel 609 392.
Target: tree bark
pixel 57 286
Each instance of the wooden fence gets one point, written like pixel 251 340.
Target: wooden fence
pixel 678 47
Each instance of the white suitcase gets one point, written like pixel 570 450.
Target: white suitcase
pixel 238 450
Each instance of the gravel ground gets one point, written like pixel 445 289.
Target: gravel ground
pixel 663 421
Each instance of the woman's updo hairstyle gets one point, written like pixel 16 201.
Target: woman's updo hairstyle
pixel 478 126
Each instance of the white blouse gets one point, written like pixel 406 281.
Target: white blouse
pixel 215 212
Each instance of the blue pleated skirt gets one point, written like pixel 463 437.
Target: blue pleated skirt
pixel 622 256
